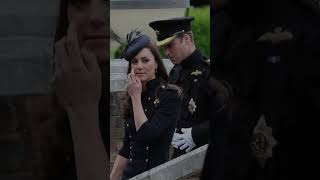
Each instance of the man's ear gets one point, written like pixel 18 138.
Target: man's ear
pixel 187 37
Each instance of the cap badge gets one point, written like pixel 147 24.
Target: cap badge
pixel 157 32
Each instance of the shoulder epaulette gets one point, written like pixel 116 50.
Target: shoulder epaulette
pixel 207 61
pixel 173 87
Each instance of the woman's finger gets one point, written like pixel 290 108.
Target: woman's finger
pixel 132 75
pixel 129 78
pixel 60 55
pixel 90 60
pixel 138 81
pixel 132 78
pixel 73 47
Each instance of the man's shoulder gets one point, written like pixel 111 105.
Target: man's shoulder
pixel 202 70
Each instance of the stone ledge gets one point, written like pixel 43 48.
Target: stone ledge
pixel 177 168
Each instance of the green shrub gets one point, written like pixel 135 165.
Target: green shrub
pixel 201 28
pixel 118 52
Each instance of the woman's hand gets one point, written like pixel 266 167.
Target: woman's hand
pixel 134 87
pixel 77 75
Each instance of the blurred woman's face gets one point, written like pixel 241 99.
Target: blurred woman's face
pixel 90 18
pixel 144 65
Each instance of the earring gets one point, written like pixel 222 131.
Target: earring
pixel 156 70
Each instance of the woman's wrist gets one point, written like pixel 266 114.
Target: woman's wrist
pixel 84 115
pixel 82 109
pixel 136 97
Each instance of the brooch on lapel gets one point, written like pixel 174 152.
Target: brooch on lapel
pixel 196 73
pixel 156 101
pixel 276 36
pixel 192 106
pixel 262 141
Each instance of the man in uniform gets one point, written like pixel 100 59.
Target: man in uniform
pixel 191 72
pixel 271 62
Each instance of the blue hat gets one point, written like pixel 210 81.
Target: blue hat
pixel 136 42
pixel 168 29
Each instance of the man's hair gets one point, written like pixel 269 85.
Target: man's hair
pixel 190 33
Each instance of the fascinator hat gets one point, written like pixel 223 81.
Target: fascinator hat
pixel 136 41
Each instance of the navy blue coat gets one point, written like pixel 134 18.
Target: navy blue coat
pixel 149 146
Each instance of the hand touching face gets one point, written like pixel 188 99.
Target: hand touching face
pixel 134 87
pixel 144 65
pixel 91 19
pixel 77 77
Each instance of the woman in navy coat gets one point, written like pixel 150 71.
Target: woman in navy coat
pixel 151 112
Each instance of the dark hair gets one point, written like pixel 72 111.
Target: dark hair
pixel 161 73
pixel 189 33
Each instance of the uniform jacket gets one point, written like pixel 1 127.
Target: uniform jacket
pixel 149 146
pixel 193 79
pixel 273 70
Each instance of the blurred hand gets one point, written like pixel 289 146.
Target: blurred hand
pixel 77 79
pixel 175 139
pixel 134 87
pixel 184 141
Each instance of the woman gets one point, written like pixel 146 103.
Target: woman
pixel 37 143
pixel 153 106
pixel 80 64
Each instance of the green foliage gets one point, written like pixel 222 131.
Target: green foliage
pixel 118 52
pixel 201 28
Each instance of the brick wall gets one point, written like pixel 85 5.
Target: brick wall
pixel 116 125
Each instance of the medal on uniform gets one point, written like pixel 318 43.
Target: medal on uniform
pixel 262 141
pixel 192 106
pixel 196 73
pixel 156 101
pixel 276 36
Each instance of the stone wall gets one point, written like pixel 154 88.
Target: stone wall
pixel 116 125
pixel 185 167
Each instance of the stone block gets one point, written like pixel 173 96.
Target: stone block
pixel 180 167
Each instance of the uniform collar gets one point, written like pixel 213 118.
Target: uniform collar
pixel 152 85
pixel 192 60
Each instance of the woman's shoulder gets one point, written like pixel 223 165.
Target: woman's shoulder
pixel 170 89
